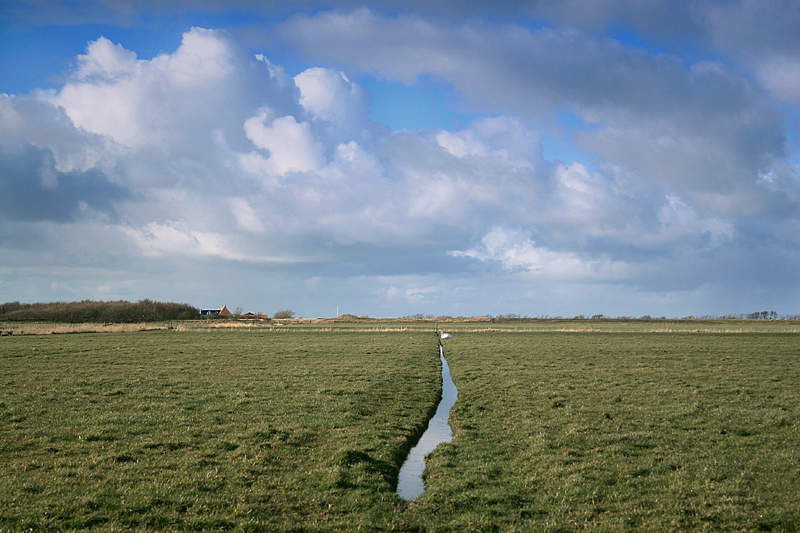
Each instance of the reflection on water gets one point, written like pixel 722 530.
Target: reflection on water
pixel 409 484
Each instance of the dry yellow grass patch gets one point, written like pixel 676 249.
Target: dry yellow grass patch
pixel 49 329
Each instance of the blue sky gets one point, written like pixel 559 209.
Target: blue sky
pixel 394 158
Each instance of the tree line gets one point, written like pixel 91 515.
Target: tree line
pixel 97 311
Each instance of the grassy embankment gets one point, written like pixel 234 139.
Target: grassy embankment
pixel 637 427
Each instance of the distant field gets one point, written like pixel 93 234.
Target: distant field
pixel 560 425
pixel 475 324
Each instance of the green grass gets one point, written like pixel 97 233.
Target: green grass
pixel 220 430
pixel 304 428
pixel 565 431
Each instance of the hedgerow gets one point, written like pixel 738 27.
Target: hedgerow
pixel 145 310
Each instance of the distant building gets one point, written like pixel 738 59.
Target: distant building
pixel 226 313
pixel 221 313
pixel 253 316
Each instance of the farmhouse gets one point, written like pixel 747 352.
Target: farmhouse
pixel 224 312
pixel 254 316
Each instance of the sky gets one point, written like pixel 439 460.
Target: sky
pixel 393 158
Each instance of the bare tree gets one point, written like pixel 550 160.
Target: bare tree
pixel 284 313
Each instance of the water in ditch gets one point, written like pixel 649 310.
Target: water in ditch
pixel 410 485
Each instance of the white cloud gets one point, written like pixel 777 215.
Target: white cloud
pixel 246 216
pixel 172 103
pixel 518 253
pixel 103 96
pixel 504 139
pixel 171 239
pixel 27 120
pixel 290 144
pixel 588 202
pixel 460 145
pixel 329 95
pixel 105 62
pixel 679 220
pixel 202 60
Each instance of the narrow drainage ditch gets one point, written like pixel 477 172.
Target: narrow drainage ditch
pixel 410 484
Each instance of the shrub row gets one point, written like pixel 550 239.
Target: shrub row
pixel 97 311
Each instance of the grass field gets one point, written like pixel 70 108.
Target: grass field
pixel 200 430
pixel 565 431
pixel 691 426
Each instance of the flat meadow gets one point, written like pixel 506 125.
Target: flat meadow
pixel 559 426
